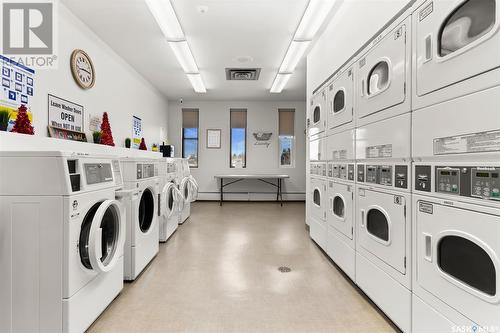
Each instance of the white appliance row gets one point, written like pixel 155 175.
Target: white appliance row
pixel 73 226
pixel 404 145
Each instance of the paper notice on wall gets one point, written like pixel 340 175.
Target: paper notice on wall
pixel 65 114
pixel 94 123
pixel 468 143
pixel 340 154
pixel 380 151
pixel 136 132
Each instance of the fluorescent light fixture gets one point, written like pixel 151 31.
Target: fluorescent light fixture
pixel 314 16
pixel 280 82
pixel 184 56
pixel 164 15
pixel 295 52
pixel 197 82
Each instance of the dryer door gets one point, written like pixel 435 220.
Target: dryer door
pixel 186 189
pixel 317 116
pixel 340 100
pixel 169 203
pixel 382 226
pixel 458 258
pixel 382 74
pixel 341 208
pixel 194 188
pixel 102 236
pixel 318 199
pixel 146 210
pixel 455 34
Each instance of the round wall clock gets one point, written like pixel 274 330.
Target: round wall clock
pixel 82 69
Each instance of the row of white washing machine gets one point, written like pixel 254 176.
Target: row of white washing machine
pixel 74 226
pixel 404 156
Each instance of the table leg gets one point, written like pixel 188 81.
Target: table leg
pixel 277 190
pixel 221 191
pixel 281 192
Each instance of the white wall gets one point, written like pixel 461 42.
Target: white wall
pixel 119 89
pixel 260 116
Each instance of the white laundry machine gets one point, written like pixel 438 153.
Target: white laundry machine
pixel 317 117
pixel 383 216
pixel 456 45
pixel 383 73
pixel 188 188
pixel 62 242
pixel 317 204
pixel 456 252
pixel 340 97
pixel 141 244
pixel 340 214
pixel 171 200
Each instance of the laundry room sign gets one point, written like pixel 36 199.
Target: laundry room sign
pixel 65 114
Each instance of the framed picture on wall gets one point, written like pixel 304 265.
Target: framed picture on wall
pixel 213 138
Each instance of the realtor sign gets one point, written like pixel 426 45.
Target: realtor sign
pixel 65 114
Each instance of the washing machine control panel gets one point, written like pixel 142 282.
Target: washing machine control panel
pixel 318 169
pixel 387 175
pixel 485 183
pixel 350 172
pixel 145 171
pixel 448 180
pixel 372 174
pixel 342 171
pixel 361 173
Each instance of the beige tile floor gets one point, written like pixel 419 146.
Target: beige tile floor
pixel 218 273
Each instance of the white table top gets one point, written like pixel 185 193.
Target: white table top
pixel 255 176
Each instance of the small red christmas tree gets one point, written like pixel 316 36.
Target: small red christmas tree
pixel 106 136
pixel 23 124
pixel 142 146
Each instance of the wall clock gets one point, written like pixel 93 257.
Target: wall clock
pixel 82 69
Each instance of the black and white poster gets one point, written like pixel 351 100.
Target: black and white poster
pixel 65 114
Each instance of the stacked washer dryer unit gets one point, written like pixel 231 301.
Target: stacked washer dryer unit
pixel 171 200
pixel 341 169
pixel 62 240
pixel 383 154
pixel 317 198
pixel 456 149
pixel 188 187
pixel 140 174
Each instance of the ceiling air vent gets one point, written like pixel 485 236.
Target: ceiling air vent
pixel 242 74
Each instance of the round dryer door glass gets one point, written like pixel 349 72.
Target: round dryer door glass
pixel 378 79
pixel 170 201
pixel 467 262
pixel 316 114
pixel 146 210
pixel 377 224
pixel 338 207
pixel 469 22
pixel 110 231
pixel 317 197
pixel 339 101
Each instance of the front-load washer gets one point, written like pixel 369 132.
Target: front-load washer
pixel 340 97
pixel 340 214
pixel 383 216
pixel 456 45
pixel 384 73
pixel 456 252
pixel 141 243
pixel 188 188
pixel 317 204
pixel 62 240
pixel 317 116
pixel 171 201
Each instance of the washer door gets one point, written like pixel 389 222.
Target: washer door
pixel 341 205
pixel 146 210
pixel 382 227
pixel 186 189
pixel 194 188
pixel 458 258
pixel 169 200
pixel 340 96
pixel 102 236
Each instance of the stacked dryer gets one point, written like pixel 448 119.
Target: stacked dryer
pixel 456 148
pixel 171 199
pixel 383 153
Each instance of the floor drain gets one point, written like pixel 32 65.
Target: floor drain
pixel 284 269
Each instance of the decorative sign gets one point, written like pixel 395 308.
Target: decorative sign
pixel 262 138
pixel 213 138
pixel 137 132
pixel 61 133
pixel 18 84
pixel 65 114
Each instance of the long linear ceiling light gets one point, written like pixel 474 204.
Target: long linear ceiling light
pixel 312 20
pixel 167 20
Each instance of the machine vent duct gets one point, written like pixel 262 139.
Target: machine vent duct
pixel 242 74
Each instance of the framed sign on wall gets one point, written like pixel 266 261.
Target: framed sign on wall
pixel 213 138
pixel 65 114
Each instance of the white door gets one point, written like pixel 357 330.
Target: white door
pixel 340 100
pixel 146 210
pixel 317 116
pixel 340 213
pixel 170 198
pixel 382 74
pixel 457 258
pixel 382 226
pixel 102 236
pixel 318 199
pixel 455 40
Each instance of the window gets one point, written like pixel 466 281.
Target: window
pixel 238 151
pixel 286 137
pixel 190 132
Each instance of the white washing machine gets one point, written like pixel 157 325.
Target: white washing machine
pixel 188 188
pixel 384 73
pixel 317 116
pixel 456 47
pixel 62 242
pixel 383 216
pixel 456 252
pixel 141 244
pixel 317 204
pixel 340 214
pixel 340 97
pixel 171 200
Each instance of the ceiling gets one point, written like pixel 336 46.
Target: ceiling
pixel 260 29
